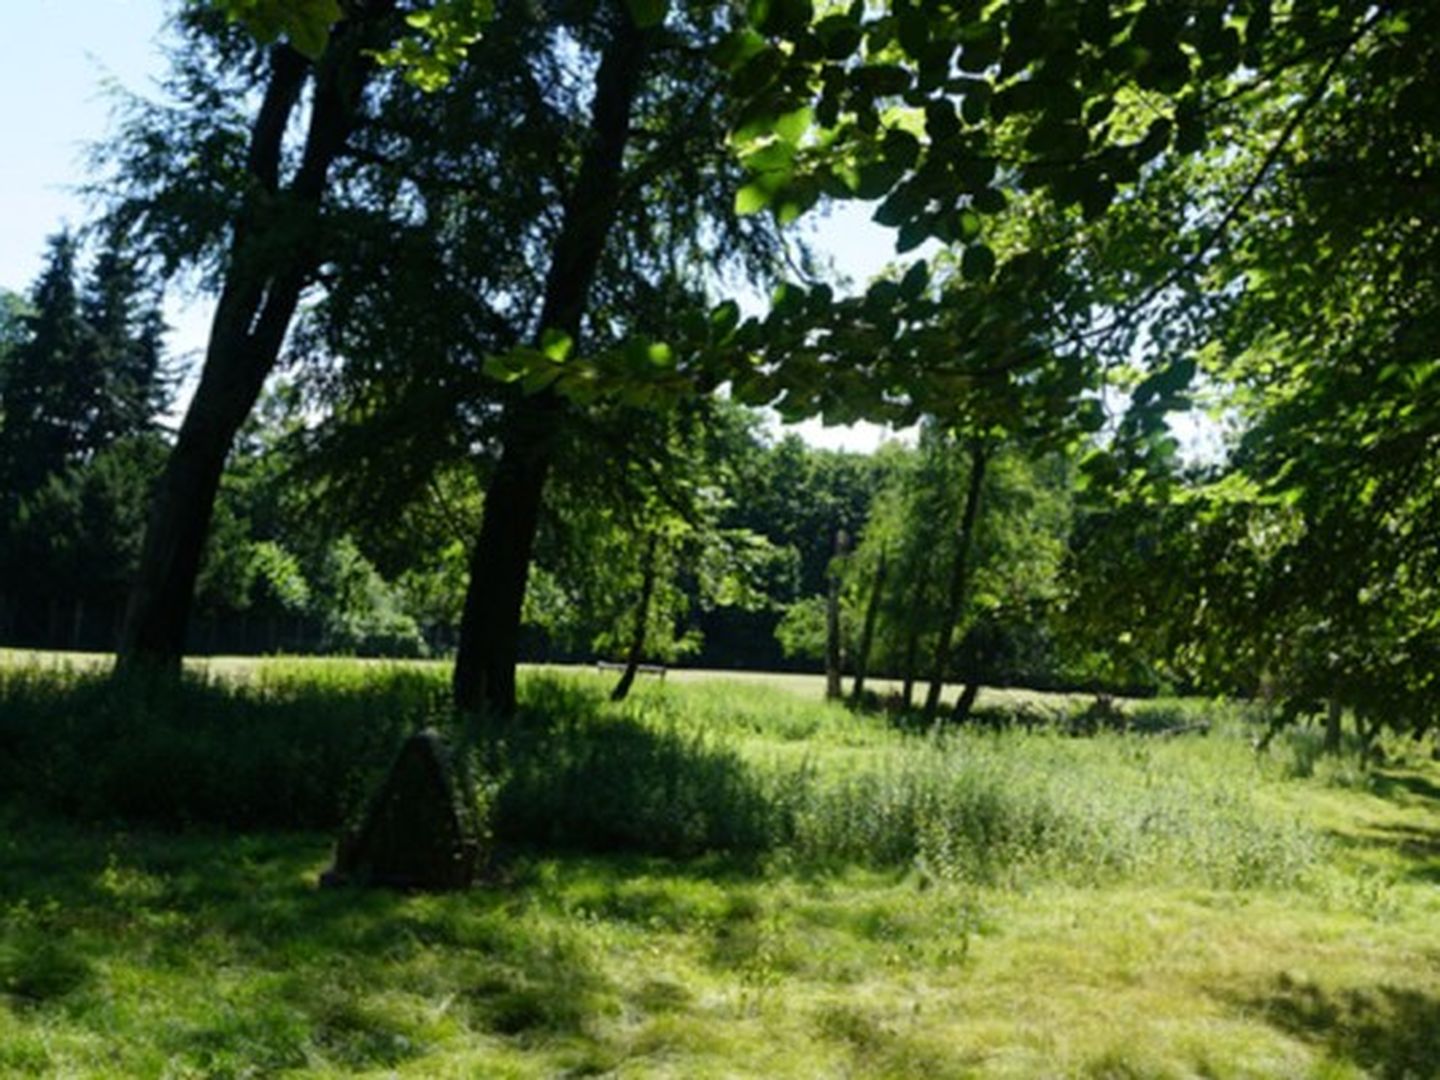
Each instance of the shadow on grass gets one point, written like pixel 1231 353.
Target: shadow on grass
pixel 260 970
pixel 1407 787
pixel 1389 1031
pixel 568 772
pixel 1418 844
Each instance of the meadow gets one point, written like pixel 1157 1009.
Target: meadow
pixel 723 876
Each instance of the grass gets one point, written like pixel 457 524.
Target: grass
pixel 725 879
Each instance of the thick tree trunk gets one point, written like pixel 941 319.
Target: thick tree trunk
pixel 965 702
pixel 642 620
pixel 867 632
pixel 959 578
pixel 272 256
pixel 834 647
pixel 488 650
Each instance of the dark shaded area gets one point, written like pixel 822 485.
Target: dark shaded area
pixel 1390 1031
pixel 269 754
pixel 310 754
pixel 572 778
pixel 1402 786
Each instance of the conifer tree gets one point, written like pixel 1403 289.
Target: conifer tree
pixel 45 407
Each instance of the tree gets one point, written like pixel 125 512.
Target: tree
pixel 1302 565
pixel 121 349
pixel 272 248
pixel 49 398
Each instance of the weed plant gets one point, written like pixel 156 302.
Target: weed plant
pixel 677 771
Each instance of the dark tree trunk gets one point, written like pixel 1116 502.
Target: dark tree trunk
pixel 834 647
pixel 642 619
pixel 272 256
pixel 959 578
pixel 1332 726
pixel 867 632
pixel 912 641
pixel 488 650
pixel 965 702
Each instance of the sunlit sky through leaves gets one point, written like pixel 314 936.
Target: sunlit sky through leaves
pixel 66 58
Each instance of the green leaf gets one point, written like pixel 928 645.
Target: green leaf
pixel 912 234
pixel 988 201
pixel 978 263
pixel 792 126
pixel 648 13
pixel 724 319
pixel 752 198
pixel 912 285
pixel 556 345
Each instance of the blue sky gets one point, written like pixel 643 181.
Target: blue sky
pixel 55 103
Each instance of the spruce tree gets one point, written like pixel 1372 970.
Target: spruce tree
pixel 121 351
pixel 45 407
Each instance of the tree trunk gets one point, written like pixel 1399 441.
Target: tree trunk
pixel 833 645
pixel 1332 726
pixel 488 650
pixel 272 256
pixel 959 578
pixel 642 618
pixel 867 632
pixel 965 702
pixel 912 641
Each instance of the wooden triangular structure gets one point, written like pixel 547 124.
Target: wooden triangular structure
pixel 418 833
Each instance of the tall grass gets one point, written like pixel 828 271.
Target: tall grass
pixel 294 747
pixel 677 771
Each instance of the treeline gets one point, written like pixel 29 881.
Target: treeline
pixel 735 572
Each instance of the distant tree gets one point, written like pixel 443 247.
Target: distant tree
pixel 122 348
pixel 50 394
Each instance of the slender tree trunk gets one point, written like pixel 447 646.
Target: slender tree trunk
pixel 488 650
pixel 272 256
pixel 77 626
pixel 959 578
pixel 912 641
pixel 834 647
pixel 1333 716
pixel 642 620
pixel 867 632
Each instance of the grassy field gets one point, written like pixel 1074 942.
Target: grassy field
pixel 723 877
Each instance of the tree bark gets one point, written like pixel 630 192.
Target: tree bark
pixel 959 578
pixel 965 702
pixel 488 650
pixel 867 632
pixel 642 619
pixel 272 256
pixel 833 645
pixel 1332 726
pixel 912 641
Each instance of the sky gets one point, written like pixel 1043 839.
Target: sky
pixel 56 103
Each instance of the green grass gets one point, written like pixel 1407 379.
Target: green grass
pixel 721 878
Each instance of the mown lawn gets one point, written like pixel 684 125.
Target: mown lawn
pixel 729 880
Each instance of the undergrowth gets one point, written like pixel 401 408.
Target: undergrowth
pixel 677 771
